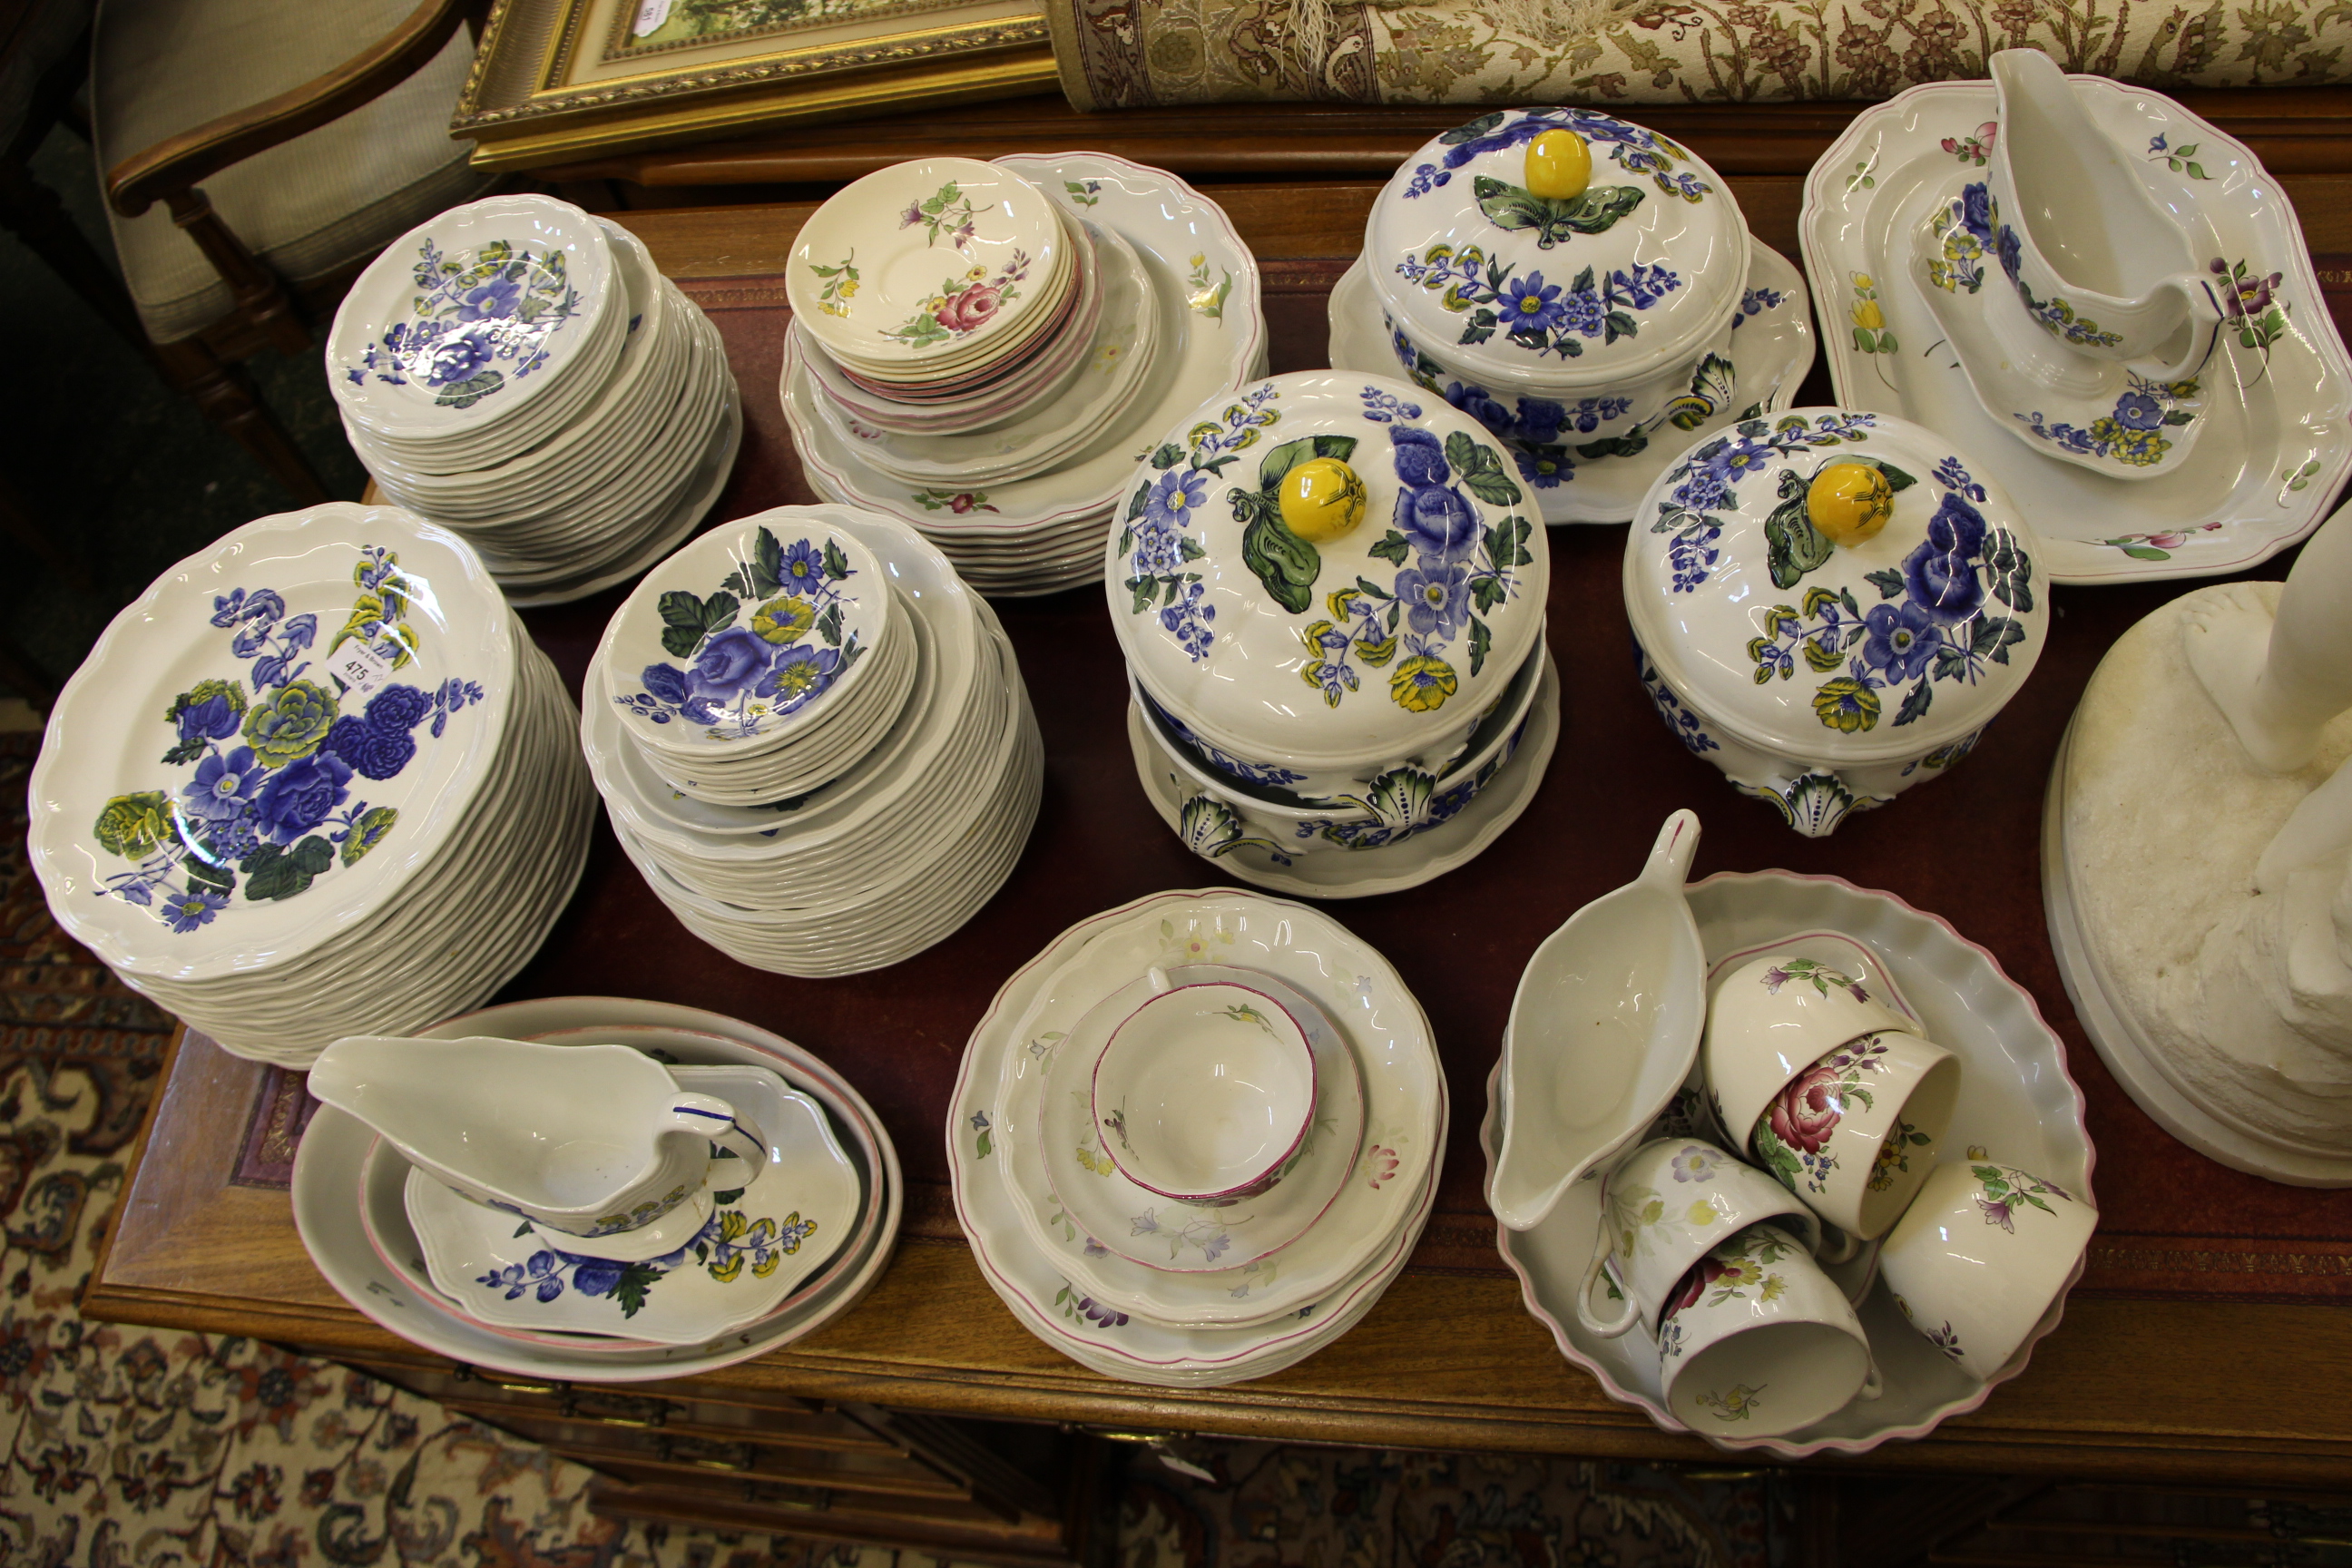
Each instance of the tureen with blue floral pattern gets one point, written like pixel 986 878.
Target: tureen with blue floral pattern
pixel 1830 606
pixel 1562 258
pixel 1323 577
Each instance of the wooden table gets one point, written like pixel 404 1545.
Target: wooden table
pixel 2213 1391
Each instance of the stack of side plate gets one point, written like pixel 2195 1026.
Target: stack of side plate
pixel 1022 508
pixel 1158 1291
pixel 316 774
pixel 889 855
pixel 830 1200
pixel 519 372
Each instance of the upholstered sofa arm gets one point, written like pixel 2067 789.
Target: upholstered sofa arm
pixel 157 173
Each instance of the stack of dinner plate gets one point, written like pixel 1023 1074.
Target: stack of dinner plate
pixel 771 1262
pixel 317 780
pixel 813 741
pixel 516 371
pixel 975 347
pixel 1173 1037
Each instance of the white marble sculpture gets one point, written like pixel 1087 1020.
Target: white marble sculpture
pixel 2208 837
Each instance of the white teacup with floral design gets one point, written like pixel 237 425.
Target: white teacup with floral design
pixel 1757 1340
pixel 1982 1252
pixel 1664 1206
pixel 1770 1019
pixel 1854 1134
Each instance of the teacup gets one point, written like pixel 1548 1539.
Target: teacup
pixel 1662 1208
pixel 1204 1092
pixel 1773 1017
pixel 1979 1256
pixel 2096 261
pixel 1854 1134
pixel 1757 1340
pixel 591 1141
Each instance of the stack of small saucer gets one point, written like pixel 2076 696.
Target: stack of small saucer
pixel 316 779
pixel 1196 1138
pixel 813 741
pixel 974 346
pixel 517 371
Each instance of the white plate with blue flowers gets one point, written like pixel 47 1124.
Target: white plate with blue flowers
pixel 757 1244
pixel 271 741
pixel 468 320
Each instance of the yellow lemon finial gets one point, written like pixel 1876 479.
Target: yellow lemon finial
pixel 1321 498
pixel 1850 502
pixel 1560 166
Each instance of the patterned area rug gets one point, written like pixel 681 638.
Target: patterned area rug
pixel 127 1447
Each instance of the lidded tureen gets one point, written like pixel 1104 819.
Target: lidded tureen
pixel 1562 254
pixel 1830 606
pixel 1322 578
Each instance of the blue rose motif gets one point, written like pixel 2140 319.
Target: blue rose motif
pixel 1170 503
pixel 1419 457
pixel 373 751
pixel 298 796
pixel 494 300
pixel 729 664
pixel 804 567
pixel 1482 406
pixel 2139 411
pixel 666 681
pixel 1976 211
pixel 224 785
pixel 1531 307
pixel 1540 420
pixel 1899 639
pixel 1941 572
pixel 456 357
pixel 2010 248
pixel 1436 598
pixel 214 719
pixel 398 708
pixel 1438 522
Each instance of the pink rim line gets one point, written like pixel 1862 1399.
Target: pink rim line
pixel 1378 1278
pixel 2299 256
pixel 1779 1446
pixel 1256 334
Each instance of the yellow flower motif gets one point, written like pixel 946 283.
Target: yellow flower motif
pixel 1861 280
pixel 1702 1213
pixel 784 620
pixel 977 273
pixel 1867 315
pixel 847 291
pixel 1846 704
pixel 1423 683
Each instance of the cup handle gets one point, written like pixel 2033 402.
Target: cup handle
pixel 1874 1384
pixel 1157 978
pixel 1844 1249
pixel 2203 313
pixel 1608 1327
pixel 717 1121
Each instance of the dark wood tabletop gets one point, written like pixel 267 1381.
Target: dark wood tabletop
pixel 2231 1373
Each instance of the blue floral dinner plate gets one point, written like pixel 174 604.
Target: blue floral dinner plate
pixel 272 741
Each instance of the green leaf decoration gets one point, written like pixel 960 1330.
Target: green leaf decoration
pixel 273 871
pixel 1614 447
pixel 1710 392
pixel 630 1290
pixel 466 393
pixel 131 825
pixel 1145 590
pixel 1481 640
pixel 1886 580
pixel 1480 469
pixel 1553 218
pixel 1168 454
pixel 1471 131
pixel 1793 546
pixel 1995 635
pixel 1393 547
pixel 205 874
pixel 1368 587
pixel 1142 499
pixel 828 626
pixel 1915 702
pixel 1285 563
pixel 687 620
pixel 837 564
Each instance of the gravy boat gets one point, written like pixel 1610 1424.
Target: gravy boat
pixel 597 1142
pixel 2096 260
pixel 1603 1031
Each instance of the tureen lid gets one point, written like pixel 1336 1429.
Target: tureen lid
pixel 1835 585
pixel 1646 259
pixel 1359 643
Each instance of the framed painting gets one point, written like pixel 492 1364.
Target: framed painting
pixel 558 80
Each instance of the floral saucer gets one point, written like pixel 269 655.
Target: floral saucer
pixel 1213 829
pixel 2106 416
pixel 1142 1226
pixel 2278 389
pixel 2016 1100
pixel 1603 481
pixel 755 1247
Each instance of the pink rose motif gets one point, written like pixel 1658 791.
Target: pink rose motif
pixel 969 309
pixel 1382 1163
pixel 1704 1273
pixel 1804 1114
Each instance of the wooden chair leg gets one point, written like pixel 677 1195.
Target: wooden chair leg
pixel 31 211
pixel 225 394
pixel 261 297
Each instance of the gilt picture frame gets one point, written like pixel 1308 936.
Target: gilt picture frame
pixel 557 82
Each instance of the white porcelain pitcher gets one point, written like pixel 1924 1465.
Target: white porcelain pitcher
pixel 2096 260
pixel 591 1141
